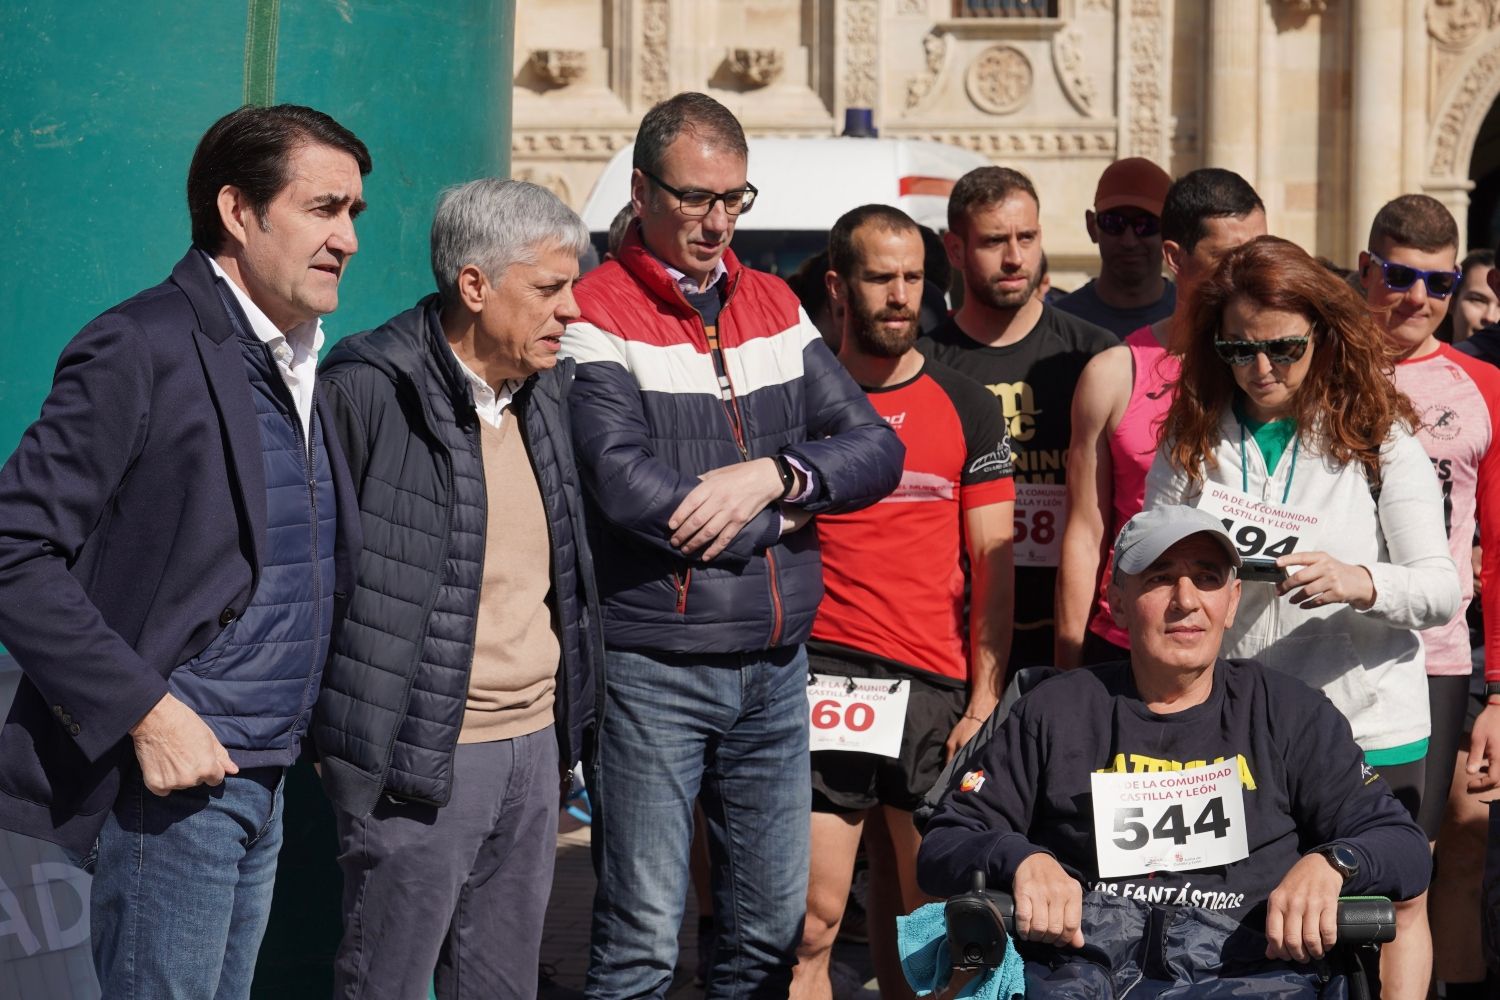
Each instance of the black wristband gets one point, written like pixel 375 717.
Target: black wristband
pixel 788 477
pixel 1491 689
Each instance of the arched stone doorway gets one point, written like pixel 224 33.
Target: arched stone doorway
pixel 1484 171
pixel 1464 140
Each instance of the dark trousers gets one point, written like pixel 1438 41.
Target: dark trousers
pixel 454 896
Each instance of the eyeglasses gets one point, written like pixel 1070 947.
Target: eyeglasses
pixel 1281 351
pixel 1114 224
pixel 1400 277
pixel 702 202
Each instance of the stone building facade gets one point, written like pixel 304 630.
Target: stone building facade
pixel 1329 107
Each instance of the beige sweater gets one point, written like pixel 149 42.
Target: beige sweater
pixel 516 652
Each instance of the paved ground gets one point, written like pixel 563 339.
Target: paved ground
pixel 566 939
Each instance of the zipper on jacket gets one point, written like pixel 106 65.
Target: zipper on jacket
pixel 682 580
pixel 310 466
pixel 562 704
pixel 736 427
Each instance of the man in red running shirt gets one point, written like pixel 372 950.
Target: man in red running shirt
pixel 901 680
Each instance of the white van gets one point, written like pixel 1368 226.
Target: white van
pixel 806 184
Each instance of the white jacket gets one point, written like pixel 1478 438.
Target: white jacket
pixel 1370 663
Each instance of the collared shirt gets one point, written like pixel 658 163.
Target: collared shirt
pixel 296 351
pixel 489 404
pixel 690 284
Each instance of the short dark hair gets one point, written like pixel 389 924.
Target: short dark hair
pixel 1203 194
pixel 842 258
pixel 984 186
pixel 691 112
pixel 1415 220
pixel 1477 258
pixel 249 149
pixel 808 284
pixel 618 226
pixel 936 271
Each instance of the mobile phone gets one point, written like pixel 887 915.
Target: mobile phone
pixel 1262 569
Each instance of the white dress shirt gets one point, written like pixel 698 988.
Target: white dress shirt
pixel 296 351
pixel 489 404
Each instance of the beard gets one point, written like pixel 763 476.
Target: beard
pixel 872 338
pixel 991 296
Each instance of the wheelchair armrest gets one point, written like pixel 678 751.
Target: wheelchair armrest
pixel 979 920
pixel 1366 920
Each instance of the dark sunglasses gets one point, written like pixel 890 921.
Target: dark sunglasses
pixel 702 202
pixel 1114 224
pixel 1400 277
pixel 1282 351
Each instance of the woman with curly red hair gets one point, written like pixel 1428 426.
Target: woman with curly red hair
pixel 1287 426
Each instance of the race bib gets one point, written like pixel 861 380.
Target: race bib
pixel 1040 510
pixel 866 714
pixel 1153 821
pixel 1260 527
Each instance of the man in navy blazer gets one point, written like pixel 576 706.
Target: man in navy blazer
pixel 176 530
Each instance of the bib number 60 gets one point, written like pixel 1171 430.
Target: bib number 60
pixel 856 716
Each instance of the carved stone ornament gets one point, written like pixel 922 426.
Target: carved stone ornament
pixel 861 50
pixel 935 52
pixel 654 67
pixel 755 67
pixel 999 81
pixel 1011 143
pixel 1457 23
pixel 559 67
pixel 1462 114
pixel 911 6
pixel 1067 59
pixel 1147 114
pixel 551 181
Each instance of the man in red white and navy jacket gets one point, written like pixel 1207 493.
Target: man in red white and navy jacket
pixel 711 423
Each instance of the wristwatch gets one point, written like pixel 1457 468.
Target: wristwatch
pixel 1491 690
pixel 1343 859
pixel 788 477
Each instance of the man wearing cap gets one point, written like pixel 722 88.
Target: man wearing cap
pixel 1173 779
pixel 1125 223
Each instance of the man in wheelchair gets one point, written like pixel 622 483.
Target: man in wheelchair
pixel 1178 817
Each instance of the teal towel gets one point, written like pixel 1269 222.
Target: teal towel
pixel 922 939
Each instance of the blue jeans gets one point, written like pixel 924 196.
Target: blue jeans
pixel 733 728
pixel 182 888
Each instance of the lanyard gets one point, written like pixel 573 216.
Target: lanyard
pixel 1245 466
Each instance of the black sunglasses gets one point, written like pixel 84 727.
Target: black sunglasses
pixel 1400 277
pixel 702 202
pixel 1114 224
pixel 1282 351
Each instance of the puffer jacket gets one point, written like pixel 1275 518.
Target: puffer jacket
pixel 392 703
pixel 649 418
pixel 1152 952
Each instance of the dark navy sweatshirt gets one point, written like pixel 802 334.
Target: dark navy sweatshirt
pixel 1304 781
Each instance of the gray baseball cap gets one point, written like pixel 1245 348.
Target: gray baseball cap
pixel 1150 533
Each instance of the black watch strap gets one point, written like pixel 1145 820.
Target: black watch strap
pixel 788 477
pixel 1491 689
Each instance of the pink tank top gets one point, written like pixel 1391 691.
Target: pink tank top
pixel 1132 447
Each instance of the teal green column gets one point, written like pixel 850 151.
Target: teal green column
pixel 104 103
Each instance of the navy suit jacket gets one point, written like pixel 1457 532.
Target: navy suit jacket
pixel 132 523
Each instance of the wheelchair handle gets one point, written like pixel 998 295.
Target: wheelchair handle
pixel 975 919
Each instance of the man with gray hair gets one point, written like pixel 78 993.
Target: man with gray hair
pixel 454 700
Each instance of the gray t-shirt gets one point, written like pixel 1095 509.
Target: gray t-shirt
pixel 1086 304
